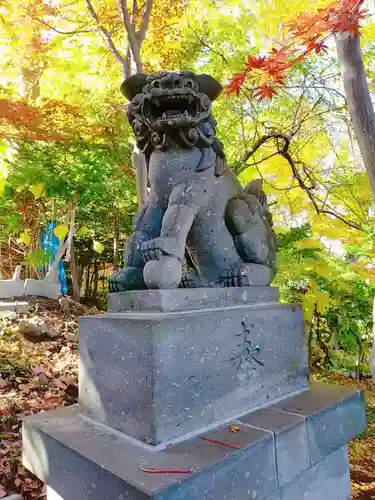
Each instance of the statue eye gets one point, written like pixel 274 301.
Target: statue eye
pixel 155 84
pixel 189 83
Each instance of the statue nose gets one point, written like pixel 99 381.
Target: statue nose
pixel 171 81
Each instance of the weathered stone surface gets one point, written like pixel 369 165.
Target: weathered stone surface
pixel 291 441
pixel 335 415
pixel 17 307
pixel 197 210
pixel 57 444
pixel 11 288
pixel 157 376
pixel 41 288
pixel 188 299
pixel 80 460
pixel 329 479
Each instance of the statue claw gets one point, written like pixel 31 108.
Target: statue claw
pixel 159 247
pixel 243 274
pixel 130 278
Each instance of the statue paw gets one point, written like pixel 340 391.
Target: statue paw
pixel 242 275
pixel 163 273
pixel 192 280
pixel 130 278
pixel 158 247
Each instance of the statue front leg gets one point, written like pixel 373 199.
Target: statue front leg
pixel 146 226
pixel 165 255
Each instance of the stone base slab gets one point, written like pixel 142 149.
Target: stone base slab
pixel 83 460
pixel 189 299
pixel 161 375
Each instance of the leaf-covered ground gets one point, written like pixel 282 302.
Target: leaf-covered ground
pixel 36 374
pixel 41 373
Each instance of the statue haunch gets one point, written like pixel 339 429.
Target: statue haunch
pixel 200 228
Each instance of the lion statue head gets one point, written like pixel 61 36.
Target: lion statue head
pixel 171 108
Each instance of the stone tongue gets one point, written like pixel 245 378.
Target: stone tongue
pixel 173 112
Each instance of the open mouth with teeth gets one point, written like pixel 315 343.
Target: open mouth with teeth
pixel 171 110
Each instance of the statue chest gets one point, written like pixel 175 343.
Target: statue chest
pixel 168 169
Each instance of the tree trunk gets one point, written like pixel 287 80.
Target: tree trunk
pixel 372 357
pixel 116 238
pixel 310 337
pixel 76 288
pixel 362 115
pixel 87 287
pixel 94 292
pixel 141 177
pixel 358 98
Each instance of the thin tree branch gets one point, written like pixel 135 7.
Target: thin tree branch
pixel 284 152
pixel 205 44
pixel 257 162
pixel 107 37
pixel 141 33
pixel 135 45
pixel 73 32
pixel 261 141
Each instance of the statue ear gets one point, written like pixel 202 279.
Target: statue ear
pixel 209 86
pixel 133 86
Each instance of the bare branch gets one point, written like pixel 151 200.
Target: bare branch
pixel 128 25
pixel 141 33
pixel 257 162
pixel 283 150
pixel 205 44
pixel 41 21
pixel 135 45
pixel 285 154
pixel 107 37
pixel 261 141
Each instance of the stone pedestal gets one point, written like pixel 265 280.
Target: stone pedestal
pixel 211 381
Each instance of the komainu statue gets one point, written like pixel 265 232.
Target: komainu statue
pixel 200 227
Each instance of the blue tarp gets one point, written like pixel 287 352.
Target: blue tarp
pixel 50 243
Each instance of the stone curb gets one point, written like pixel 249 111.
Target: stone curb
pixel 20 288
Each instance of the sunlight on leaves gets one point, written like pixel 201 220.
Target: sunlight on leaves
pixel 61 231
pixel 97 246
pixel 37 190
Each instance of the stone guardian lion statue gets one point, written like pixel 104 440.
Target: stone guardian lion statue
pixel 200 227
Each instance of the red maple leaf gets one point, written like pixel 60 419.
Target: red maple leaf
pixel 308 33
pixel 235 84
pixel 255 62
pixel 265 92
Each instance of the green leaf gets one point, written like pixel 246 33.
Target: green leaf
pixel 83 230
pixel 61 231
pixel 310 243
pixel 25 237
pixel 37 190
pixel 97 246
pixel 38 259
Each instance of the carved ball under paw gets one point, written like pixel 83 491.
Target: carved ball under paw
pixel 163 273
